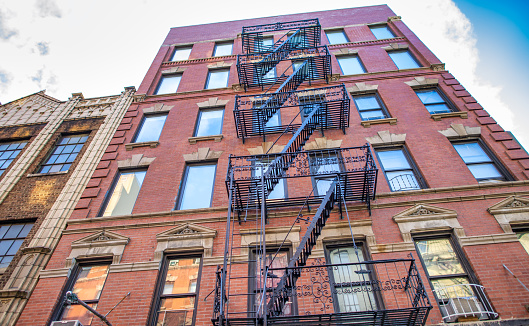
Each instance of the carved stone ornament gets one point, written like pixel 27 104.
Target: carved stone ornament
pixel 513 210
pixel 345 52
pixel 323 143
pixel 437 66
pixel 395 46
pixel 185 238
pixel 137 160
pixel 100 244
pixel 457 130
pixel 394 18
pixel 362 87
pixel 158 108
pixel 173 70
pixel 422 81
pixel 212 102
pixel 203 154
pixel 259 150
pixel 386 138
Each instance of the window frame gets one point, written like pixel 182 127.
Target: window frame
pixel 493 160
pixel 419 65
pixel 158 294
pixel 111 190
pixel 55 145
pixel 377 97
pixel 199 117
pixel 176 48
pixel 9 143
pixel 335 31
pixel 521 229
pixel 414 168
pixel 184 179
pixel 11 223
pixel 337 154
pixel 210 71
pixel 381 26
pixel 284 180
pixel 58 311
pixel 140 127
pixel 157 89
pixel 338 58
pixel 441 94
pixel 214 53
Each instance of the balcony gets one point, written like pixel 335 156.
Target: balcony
pixel 385 292
pixel 464 300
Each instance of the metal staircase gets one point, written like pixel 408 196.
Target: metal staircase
pixel 274 293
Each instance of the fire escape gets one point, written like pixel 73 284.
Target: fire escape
pixel 257 285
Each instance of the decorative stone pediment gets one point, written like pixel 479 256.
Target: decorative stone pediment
pixel 323 143
pixel 220 64
pixel 511 211
pixel 345 52
pixel 158 108
pixel 362 87
pixel 457 130
pixel 422 217
pixel 174 70
pixel 394 18
pixel 185 238
pixel 395 46
pixel 386 138
pixel 422 81
pixel 437 66
pixel 203 154
pixel 259 150
pixel 137 160
pixel 212 102
pixel 100 244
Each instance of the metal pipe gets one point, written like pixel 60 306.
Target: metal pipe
pixel 72 298
pixel 525 287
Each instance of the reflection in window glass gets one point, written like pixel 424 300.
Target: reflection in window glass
pixel 209 122
pixel 273 259
pixel 381 32
pixel 279 189
pixel 125 192
pixel 336 37
pixel 222 49
pixel 524 240
pixel 369 107
pixel 8 152
pixel 351 65
pixel 403 59
pixel 11 238
pixel 478 162
pixel 168 84
pixel 322 166
pixel 63 154
pixel 181 54
pixel 433 101
pixel 151 128
pixel 439 257
pixel 197 188
pixel 217 78
pixel 398 170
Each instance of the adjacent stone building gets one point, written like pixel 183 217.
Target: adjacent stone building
pixel 325 161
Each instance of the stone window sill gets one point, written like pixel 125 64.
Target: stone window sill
pixel 368 123
pixel 45 174
pixel 151 144
pixel 216 138
pixel 460 114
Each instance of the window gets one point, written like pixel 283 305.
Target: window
pixel 434 101
pixel 267 44
pixel 272 125
pixel 403 59
pixel 8 152
pixel 181 53
pixel 151 128
pixel 352 288
pixel 324 165
pixel 222 49
pixel 88 285
pixel 370 107
pixel 217 78
pixel 524 239
pixel 124 193
pixel 11 238
pixel 400 171
pixel 196 190
pixel 448 273
pixel 64 153
pixel 336 37
pixel 479 162
pixel 176 305
pixel 381 32
pixel 279 189
pixel 168 84
pixel 351 65
pixel 209 122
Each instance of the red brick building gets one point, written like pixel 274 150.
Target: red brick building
pixel 355 182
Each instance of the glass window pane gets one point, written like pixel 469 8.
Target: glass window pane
pixel 5 261
pixel 198 187
pixel 182 276
pixel 210 123
pixel 402 180
pixel 90 282
pixel 25 230
pixel 4 246
pixel 336 37
pixel 472 153
pixel 524 240
pixel 372 115
pixel 393 160
pixel 381 32
pixel 274 121
pixel 279 189
pixel 151 128
pixel 351 65
pixel 14 230
pixel 78 312
pixel 14 247
pixel 439 257
pixel 485 171
pixel 403 59
pixel 217 79
pixel 176 311
pixel 55 168
pixel 168 84
pixel 429 97
pixel 366 102
pixel 181 54
pixel 223 49
pixel 125 193
pixel 3 230
pixel 438 108
pixel 267 43
pixel 455 287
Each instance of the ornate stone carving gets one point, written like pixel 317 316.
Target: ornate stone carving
pixel 137 160
pixel 422 211
pixel 437 66
pixel 422 81
pixel 212 102
pixel 513 210
pixel 457 130
pixel 158 108
pixel 394 18
pixel 203 154
pixel 185 237
pixel 103 243
pixel 386 138
pixel 323 143
pixel 362 87
pixel 186 230
pixel 265 147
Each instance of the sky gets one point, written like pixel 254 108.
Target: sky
pixel 98 47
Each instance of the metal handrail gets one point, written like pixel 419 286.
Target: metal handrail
pixel 463 300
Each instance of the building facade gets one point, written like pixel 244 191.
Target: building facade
pixel 49 150
pixel 355 182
